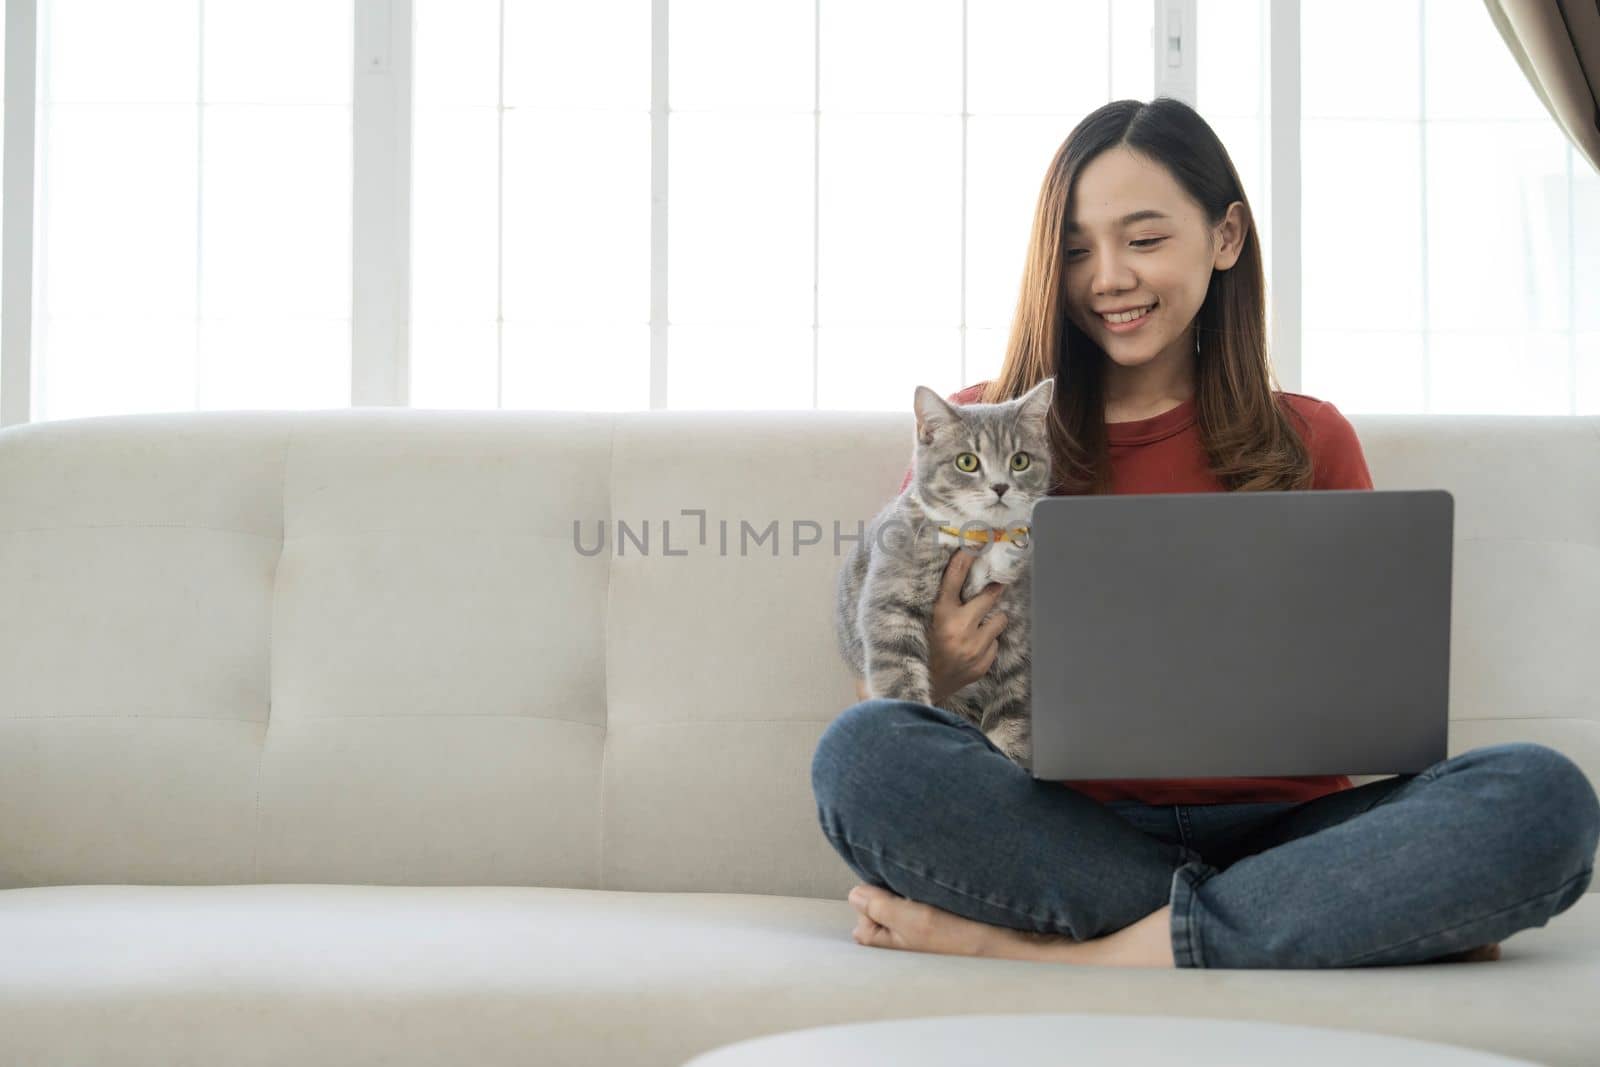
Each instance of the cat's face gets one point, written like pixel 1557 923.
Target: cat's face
pixel 984 463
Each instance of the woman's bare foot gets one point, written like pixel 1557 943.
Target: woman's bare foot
pixel 888 920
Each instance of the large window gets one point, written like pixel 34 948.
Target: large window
pixel 633 204
pixel 847 191
pixel 192 206
pixel 1449 227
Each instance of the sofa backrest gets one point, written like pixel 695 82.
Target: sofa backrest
pixel 367 646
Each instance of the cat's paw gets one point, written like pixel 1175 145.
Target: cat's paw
pixel 915 696
pixel 978 581
pixel 1013 741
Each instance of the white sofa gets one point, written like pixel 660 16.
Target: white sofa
pixel 321 741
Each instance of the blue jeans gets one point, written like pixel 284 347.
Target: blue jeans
pixel 1498 839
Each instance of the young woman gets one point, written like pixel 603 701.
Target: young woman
pixel 1142 295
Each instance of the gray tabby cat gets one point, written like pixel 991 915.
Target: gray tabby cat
pixel 977 468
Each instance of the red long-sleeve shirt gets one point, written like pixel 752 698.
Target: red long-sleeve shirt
pixel 1163 454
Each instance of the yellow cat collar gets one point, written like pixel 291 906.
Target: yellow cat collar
pixel 988 534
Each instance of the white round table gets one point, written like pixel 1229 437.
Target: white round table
pixel 1084 1040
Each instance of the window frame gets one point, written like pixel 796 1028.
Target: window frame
pixel 381 69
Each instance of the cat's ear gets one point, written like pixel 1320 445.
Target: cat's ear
pixel 1035 403
pixel 933 412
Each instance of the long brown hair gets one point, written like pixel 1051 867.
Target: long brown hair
pixel 1248 437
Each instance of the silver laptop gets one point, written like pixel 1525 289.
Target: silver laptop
pixel 1252 634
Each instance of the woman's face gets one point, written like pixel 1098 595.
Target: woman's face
pixel 1162 262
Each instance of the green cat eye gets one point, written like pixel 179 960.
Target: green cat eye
pixel 967 462
pixel 1020 461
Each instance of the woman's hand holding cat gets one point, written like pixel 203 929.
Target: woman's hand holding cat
pixel 962 644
